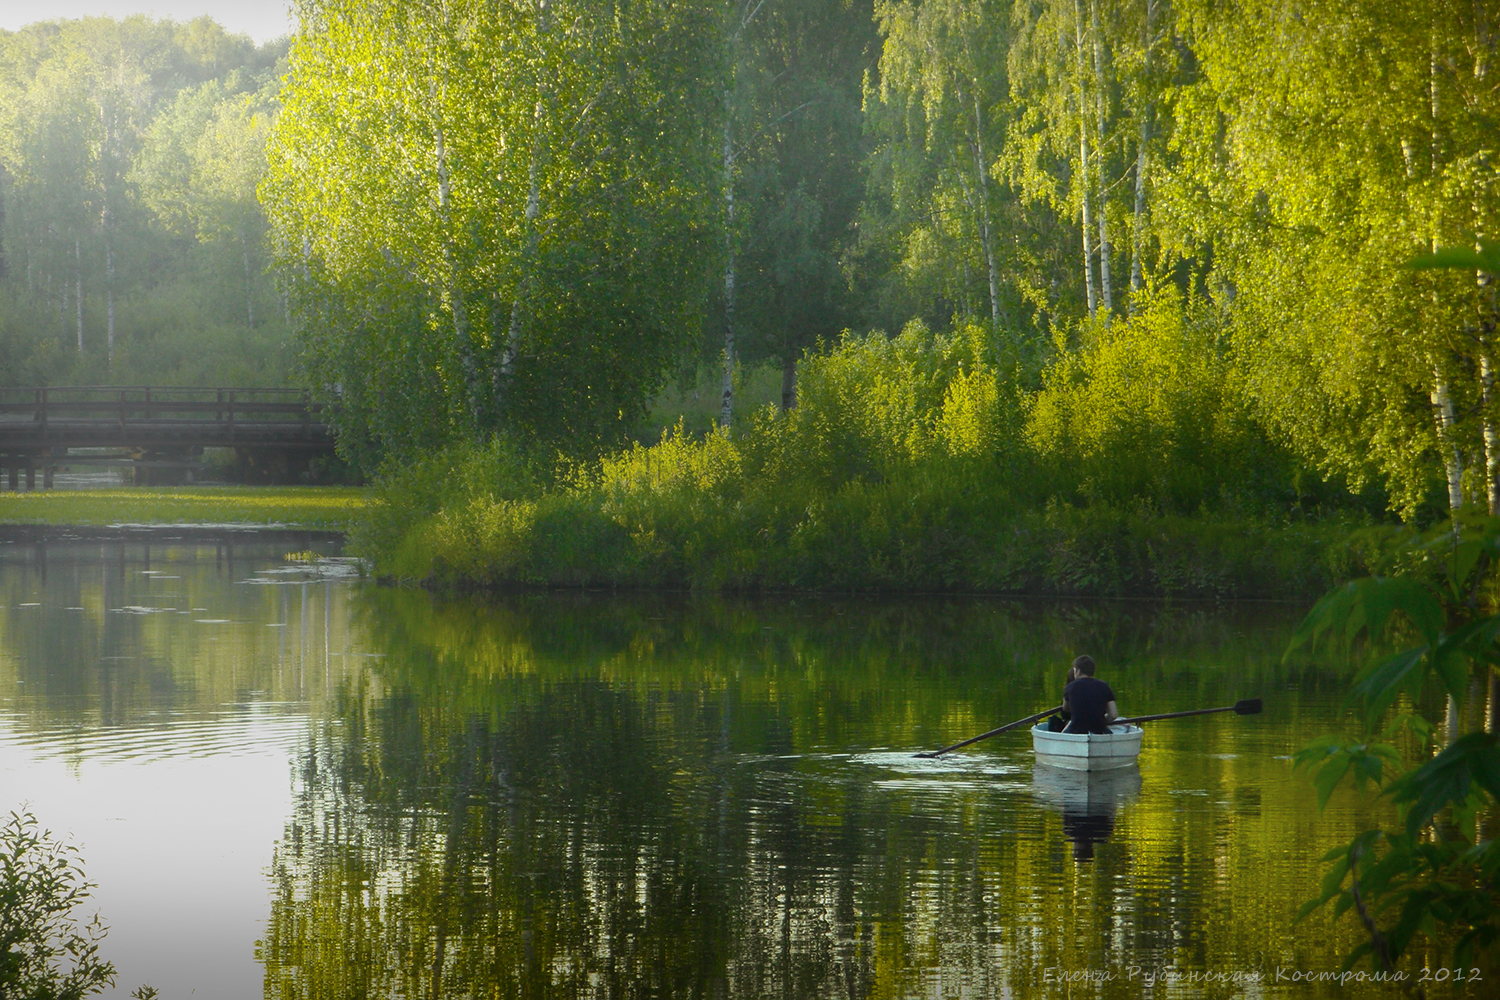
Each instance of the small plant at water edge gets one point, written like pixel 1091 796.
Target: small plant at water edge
pixel 1436 873
pixel 44 953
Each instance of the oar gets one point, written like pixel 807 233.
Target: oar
pixel 1250 706
pixel 992 732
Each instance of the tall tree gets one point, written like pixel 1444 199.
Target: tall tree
pixel 944 109
pixel 531 178
pixel 801 148
pixel 1315 186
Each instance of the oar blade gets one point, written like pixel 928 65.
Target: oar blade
pixel 1250 706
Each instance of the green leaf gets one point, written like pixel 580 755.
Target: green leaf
pixel 1409 722
pixel 1378 685
pixel 1336 852
pixel 1354 956
pixel 1446 779
pixel 1454 654
pixel 1462 560
pixel 1328 777
pixel 1309 907
pixel 1366 606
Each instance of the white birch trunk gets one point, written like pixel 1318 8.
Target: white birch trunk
pixel 1442 400
pixel 1138 226
pixel 726 409
pixel 1138 235
pixel 1492 700
pixel 1487 320
pixel 1442 407
pixel 106 226
pixel 986 238
pixel 1106 292
pixel 1083 163
pixel 109 294
pixel 966 304
pixel 1491 436
pixel 249 282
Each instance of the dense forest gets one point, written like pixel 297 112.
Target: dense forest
pixel 133 243
pixel 522 216
pixel 1146 257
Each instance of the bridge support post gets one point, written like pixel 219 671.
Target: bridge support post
pixel 14 477
pixel 30 478
pixel 47 477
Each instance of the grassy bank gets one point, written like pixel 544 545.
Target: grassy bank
pixel 878 543
pixel 325 507
pixel 918 463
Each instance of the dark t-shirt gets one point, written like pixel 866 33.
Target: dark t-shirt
pixel 1089 698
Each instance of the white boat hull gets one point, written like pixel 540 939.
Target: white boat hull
pixel 1088 751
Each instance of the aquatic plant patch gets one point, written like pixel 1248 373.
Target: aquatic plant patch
pixel 327 507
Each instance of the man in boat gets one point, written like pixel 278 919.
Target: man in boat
pixel 1089 700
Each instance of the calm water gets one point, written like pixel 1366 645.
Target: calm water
pixel 289 783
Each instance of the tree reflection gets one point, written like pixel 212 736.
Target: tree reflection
pixel 577 797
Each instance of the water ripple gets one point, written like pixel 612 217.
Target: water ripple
pixel 254 730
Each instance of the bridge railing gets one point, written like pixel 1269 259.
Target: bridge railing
pixel 157 403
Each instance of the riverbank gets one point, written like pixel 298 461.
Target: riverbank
pixel 324 508
pixel 569 541
pixel 913 464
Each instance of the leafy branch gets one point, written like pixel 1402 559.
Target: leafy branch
pixel 1434 875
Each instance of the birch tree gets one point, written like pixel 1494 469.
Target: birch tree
pixel 532 179
pixel 1372 371
pixel 944 88
pixel 1093 82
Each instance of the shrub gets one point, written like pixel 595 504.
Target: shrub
pixel 910 463
pixel 1149 410
pixel 44 953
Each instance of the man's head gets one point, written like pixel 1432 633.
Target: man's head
pixel 1084 666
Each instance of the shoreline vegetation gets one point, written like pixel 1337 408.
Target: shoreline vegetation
pixel 1062 552
pixel 1087 554
pixel 327 508
pixel 919 463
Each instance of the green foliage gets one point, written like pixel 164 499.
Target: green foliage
pixel 904 466
pixel 798 143
pixel 1436 875
pixel 461 476
pixel 494 216
pixel 132 235
pixel 1366 367
pixel 44 953
pixel 1331 758
pixel 1149 409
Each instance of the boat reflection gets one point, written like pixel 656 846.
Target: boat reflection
pixel 1088 801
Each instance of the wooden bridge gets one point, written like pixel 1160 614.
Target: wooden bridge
pixel 160 433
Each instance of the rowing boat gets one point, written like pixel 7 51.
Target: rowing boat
pixel 1088 751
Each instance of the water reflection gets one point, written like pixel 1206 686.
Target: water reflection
pixel 602 796
pixel 148 712
pixel 1088 801
pixel 630 797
